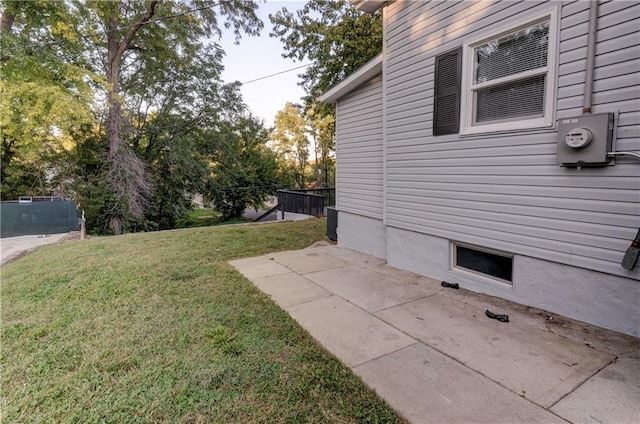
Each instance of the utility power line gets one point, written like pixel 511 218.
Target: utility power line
pixel 277 73
pixel 152 21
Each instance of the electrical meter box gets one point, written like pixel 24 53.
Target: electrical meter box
pixel 585 140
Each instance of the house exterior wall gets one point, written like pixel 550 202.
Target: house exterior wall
pixel 359 194
pixel 361 233
pixel 504 190
pixel 359 151
pixel 566 228
pixel 601 299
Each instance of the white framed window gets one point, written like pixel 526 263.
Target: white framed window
pixel 509 77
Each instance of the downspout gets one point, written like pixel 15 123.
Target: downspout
pixel 591 53
pixel 385 15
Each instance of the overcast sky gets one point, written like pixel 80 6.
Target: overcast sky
pixel 257 57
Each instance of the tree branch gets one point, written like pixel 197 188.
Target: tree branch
pixel 128 38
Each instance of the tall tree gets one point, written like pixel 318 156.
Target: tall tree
pixel 322 131
pixel 124 103
pixel 332 34
pixel 244 171
pixel 337 39
pixel 139 36
pixel 45 93
pixel 289 139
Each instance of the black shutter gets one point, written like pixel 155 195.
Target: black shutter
pixel 446 106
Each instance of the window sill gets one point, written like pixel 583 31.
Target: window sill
pixel 478 277
pixel 529 124
pixel 508 127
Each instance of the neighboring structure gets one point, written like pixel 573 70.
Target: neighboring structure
pixel 462 152
pixel 38 215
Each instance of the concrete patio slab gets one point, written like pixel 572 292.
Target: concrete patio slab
pixel 439 358
pixel 351 256
pixel 258 267
pixel 347 331
pixel 536 364
pixel 428 387
pixel 614 395
pixel 290 289
pixel 308 260
pixel 370 290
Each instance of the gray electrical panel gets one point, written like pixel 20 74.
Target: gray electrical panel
pixel 585 140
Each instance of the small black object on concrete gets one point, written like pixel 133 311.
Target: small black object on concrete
pixel 450 285
pixel 499 317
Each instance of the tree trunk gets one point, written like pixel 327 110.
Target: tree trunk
pixel 6 24
pixel 8 16
pixel 315 150
pixel 325 169
pixel 118 164
pixel 114 116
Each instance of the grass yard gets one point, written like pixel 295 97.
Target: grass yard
pixel 206 217
pixel 156 327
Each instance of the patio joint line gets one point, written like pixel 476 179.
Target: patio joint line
pixel 304 302
pixel 386 308
pixel 614 360
pixel 310 272
pixel 415 342
pixel 476 371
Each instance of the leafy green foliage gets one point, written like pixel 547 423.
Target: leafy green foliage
pixel 322 130
pixel 337 39
pixel 139 52
pixel 332 34
pixel 45 95
pixel 120 105
pixel 290 141
pixel 245 171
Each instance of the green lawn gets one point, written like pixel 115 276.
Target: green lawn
pixel 207 217
pixel 156 327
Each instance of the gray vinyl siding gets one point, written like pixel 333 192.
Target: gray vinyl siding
pixel 505 191
pixel 359 151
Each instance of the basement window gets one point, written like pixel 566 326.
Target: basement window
pixel 483 261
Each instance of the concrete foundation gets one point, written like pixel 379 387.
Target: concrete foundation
pixel 604 300
pixel 363 234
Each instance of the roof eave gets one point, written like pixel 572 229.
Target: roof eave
pixel 368 6
pixel 361 75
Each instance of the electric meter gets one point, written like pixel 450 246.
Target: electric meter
pixel 585 140
pixel 578 138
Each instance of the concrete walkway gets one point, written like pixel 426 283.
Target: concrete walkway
pixel 435 357
pixel 15 247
